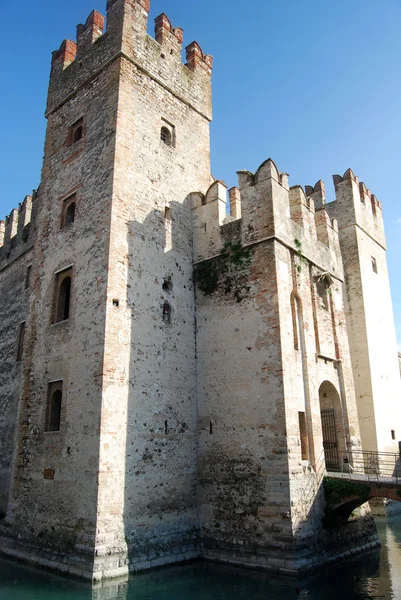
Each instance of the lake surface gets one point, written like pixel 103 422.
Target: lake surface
pixel 371 577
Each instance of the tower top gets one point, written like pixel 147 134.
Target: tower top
pixel 123 34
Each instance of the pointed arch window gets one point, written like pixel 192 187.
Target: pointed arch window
pixel 62 296
pixel 54 404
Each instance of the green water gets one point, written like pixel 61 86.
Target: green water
pixel 371 577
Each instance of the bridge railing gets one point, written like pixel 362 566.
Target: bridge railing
pixel 372 466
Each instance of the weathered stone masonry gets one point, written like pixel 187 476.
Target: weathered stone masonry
pixel 165 401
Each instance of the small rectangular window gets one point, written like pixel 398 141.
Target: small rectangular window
pixel 54 405
pixel 28 277
pixel 62 296
pixel 393 434
pixel 68 211
pixel 374 264
pixel 76 132
pixel 21 339
pixel 303 435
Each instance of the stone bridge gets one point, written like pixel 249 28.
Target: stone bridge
pixel 357 478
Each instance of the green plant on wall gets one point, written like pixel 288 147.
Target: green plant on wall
pixel 335 490
pixel 301 258
pixel 230 269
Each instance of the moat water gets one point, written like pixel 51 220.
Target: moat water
pixel 374 576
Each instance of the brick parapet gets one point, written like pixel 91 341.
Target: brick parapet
pixel 78 61
pixel 16 232
pixel 354 204
pixel 268 208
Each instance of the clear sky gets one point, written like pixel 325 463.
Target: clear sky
pixel 315 84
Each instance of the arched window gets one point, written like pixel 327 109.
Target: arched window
pixel 62 296
pixel 76 132
pixel 53 416
pixel 165 136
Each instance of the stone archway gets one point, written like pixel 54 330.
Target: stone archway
pixel 332 426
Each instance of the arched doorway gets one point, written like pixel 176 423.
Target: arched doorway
pixel 332 426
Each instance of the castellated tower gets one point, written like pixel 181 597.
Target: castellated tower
pixel 148 418
pixel 105 456
pixel 274 373
pixel 369 312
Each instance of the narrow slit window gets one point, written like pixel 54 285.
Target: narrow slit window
pixel 393 434
pixel 168 229
pixel 211 428
pixel 166 312
pixel 374 264
pixel 21 339
pixel 28 277
pixel 62 296
pixel 54 404
pixel 303 435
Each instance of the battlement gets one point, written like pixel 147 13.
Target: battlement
pixel 354 204
pixel 265 207
pixel 15 231
pixel 125 35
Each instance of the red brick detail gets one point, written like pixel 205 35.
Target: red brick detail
pixel 67 52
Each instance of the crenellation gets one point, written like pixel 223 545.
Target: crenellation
pixel 355 204
pixel 11 225
pixel 166 34
pixel 16 230
pixel 268 208
pixel 25 210
pixel 235 202
pixel 62 58
pixel 317 192
pixel 126 38
pixel 302 209
pixel 89 32
pixel 209 214
pixel 196 58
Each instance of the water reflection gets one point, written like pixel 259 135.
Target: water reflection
pixel 371 577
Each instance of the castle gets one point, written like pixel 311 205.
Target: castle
pixel 174 379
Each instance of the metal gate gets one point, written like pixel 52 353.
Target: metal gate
pixel 330 444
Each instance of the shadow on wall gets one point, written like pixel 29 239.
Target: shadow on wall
pixel 160 508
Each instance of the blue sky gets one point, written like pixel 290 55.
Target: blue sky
pixel 315 84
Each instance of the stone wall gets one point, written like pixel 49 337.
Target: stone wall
pixel 16 289
pixel 272 345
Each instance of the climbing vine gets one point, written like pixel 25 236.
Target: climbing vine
pixel 228 269
pixel 336 490
pixel 301 258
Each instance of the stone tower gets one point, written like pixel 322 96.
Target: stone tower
pixel 106 434
pixel 274 370
pixel 369 312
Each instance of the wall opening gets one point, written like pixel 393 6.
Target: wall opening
pixel 54 401
pixel 166 312
pixel 168 229
pixel 333 431
pixel 303 434
pixel 21 339
pixel 28 277
pixel 62 296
